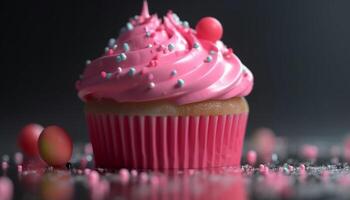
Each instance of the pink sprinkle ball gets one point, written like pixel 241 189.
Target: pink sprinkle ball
pixel 209 28
pixel 143 177
pixel 103 74
pixel 325 175
pixel 124 175
pixel 110 52
pixel 263 169
pixel 87 171
pixel 251 157
pixel 55 146
pixel 28 139
pixel 264 142
pixel 6 188
pixel 290 168
pixel 19 168
pixel 155 180
pixel 93 177
pixel 133 173
pixel 309 152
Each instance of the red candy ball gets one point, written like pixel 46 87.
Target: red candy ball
pixel 28 139
pixel 209 28
pixel 55 146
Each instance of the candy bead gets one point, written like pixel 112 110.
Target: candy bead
pixel 212 52
pixel 131 71
pixel 309 152
pixel 208 59
pixel 185 24
pixel 110 51
pixel 151 85
pixel 121 57
pixel 126 47
pixel 209 28
pixel 111 43
pixel 171 47
pixel 176 17
pixel 103 74
pixel 28 139
pixel 251 157
pixel 55 146
pixel 119 70
pixel 180 83
pixel 129 26
pixel 124 175
pixel 108 75
pixel 196 45
pixel 6 188
pixel 173 72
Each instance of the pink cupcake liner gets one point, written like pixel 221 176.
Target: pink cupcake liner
pixel 166 142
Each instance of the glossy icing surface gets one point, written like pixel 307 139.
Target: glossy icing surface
pixel 154 59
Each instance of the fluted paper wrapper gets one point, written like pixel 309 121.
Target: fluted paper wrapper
pixel 166 142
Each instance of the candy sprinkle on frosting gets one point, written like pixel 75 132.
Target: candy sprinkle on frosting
pixel 110 51
pixel 129 26
pixel 173 73
pixel 103 74
pixel 208 59
pixel 88 62
pixel 111 43
pixel 119 70
pixel 121 57
pixel 131 71
pixel 176 17
pixel 126 47
pixel 171 47
pixel 186 24
pixel 108 75
pixel 196 45
pixel 151 85
pixel 180 83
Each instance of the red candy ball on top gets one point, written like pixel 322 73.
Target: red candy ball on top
pixel 209 28
pixel 55 146
pixel 28 139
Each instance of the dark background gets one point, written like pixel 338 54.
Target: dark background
pixel 298 51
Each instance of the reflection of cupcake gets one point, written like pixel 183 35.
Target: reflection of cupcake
pixel 163 97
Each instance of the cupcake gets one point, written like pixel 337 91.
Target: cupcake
pixel 166 96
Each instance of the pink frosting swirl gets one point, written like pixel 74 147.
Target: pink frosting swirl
pixel 156 59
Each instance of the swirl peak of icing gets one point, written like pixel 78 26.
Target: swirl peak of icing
pixel 154 59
